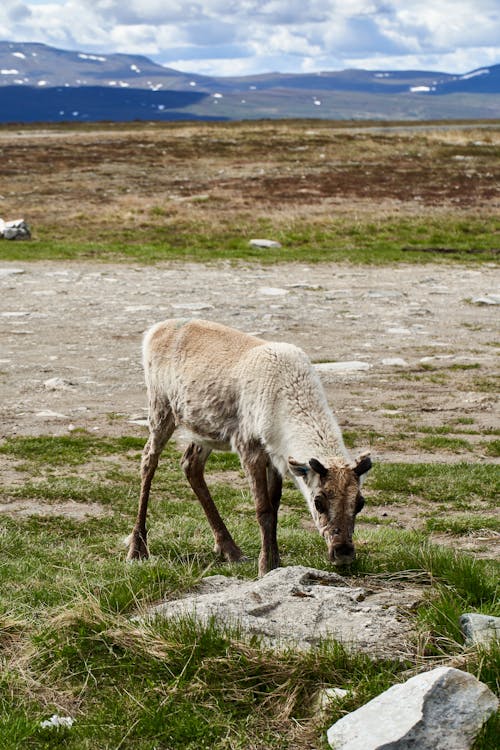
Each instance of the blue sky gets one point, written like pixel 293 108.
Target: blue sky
pixel 239 37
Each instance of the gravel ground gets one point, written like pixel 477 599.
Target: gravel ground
pixel 71 335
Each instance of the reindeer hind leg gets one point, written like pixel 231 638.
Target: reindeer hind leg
pixel 193 463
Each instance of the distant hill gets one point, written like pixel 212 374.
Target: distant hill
pixel 42 83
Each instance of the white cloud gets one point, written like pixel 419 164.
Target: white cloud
pixel 226 37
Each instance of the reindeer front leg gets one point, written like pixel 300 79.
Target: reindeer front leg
pixel 161 428
pixel 266 496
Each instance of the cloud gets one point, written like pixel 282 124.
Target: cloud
pixel 225 36
pixel 18 12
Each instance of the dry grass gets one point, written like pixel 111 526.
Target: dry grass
pixel 103 179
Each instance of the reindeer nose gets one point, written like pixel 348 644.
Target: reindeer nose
pixel 342 553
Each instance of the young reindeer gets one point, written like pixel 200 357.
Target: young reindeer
pixel 264 401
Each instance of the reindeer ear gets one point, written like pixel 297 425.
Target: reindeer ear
pixel 298 469
pixel 318 467
pixel 363 464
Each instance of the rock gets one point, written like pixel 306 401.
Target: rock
pixel 47 414
pixel 272 291
pixel 443 709
pixel 193 306
pixel 384 294
pixel 479 629
pixel 11 272
pixel 395 362
pixel 58 384
pixel 348 366
pixel 264 244
pixel 488 299
pixel 325 696
pixel 300 606
pixel 14 230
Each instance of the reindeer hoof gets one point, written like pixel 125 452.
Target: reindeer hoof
pixel 138 549
pixel 230 552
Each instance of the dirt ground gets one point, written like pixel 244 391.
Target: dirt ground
pixel 71 336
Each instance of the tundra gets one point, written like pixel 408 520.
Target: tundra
pixel 263 400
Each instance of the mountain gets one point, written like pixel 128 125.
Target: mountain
pixel 42 83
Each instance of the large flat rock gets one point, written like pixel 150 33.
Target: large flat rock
pixel 300 606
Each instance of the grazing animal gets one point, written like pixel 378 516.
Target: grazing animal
pixel 263 400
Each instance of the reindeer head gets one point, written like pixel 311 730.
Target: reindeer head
pixel 334 498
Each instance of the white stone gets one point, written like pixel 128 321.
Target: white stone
pixel 193 306
pixel 443 709
pixel 395 362
pixel 48 414
pixel 11 272
pixel 488 299
pixel 262 243
pixel 399 331
pixel 384 294
pixel 57 384
pixel 480 629
pixel 347 366
pixel 272 291
pixel 14 230
pixel 57 721
pixel 325 696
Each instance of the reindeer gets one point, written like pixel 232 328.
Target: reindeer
pixel 264 401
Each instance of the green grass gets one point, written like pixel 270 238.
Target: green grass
pixel 362 241
pixel 463 524
pixel 68 645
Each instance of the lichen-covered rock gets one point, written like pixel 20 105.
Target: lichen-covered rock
pixel 480 629
pixel 300 606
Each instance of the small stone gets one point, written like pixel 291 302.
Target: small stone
pixel 47 414
pixel 348 366
pixel 14 230
pixel 395 362
pixel 264 244
pixel 57 384
pixel 325 696
pixel 11 272
pixel 487 299
pixel 479 629
pixel 272 291
pixel 193 306
pixel 384 294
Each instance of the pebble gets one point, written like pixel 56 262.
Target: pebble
pixel 488 299
pixel 11 271
pixel 395 362
pixel 352 366
pixel 47 414
pixel 193 306
pixel 272 291
pixel 58 384
pixel 384 294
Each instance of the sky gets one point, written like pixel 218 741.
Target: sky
pixel 244 37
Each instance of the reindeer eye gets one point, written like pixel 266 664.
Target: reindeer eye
pixel 360 501
pixel 320 503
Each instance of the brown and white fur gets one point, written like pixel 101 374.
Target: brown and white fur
pixel 263 400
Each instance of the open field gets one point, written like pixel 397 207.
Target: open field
pixel 390 240
pixel 326 191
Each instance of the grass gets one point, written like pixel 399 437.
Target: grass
pixel 68 645
pixel 155 192
pixel 334 240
